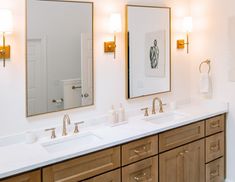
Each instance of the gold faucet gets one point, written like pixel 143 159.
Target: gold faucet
pixel 160 105
pixel 66 121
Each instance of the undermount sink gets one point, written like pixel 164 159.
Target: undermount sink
pixel 165 117
pixel 71 143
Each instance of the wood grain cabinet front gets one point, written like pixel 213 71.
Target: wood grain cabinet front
pixel 186 163
pixel 139 149
pixel 83 167
pixel 113 176
pixel 34 176
pixel 180 136
pixel 145 170
pixel 214 147
pixel 215 171
pixel 215 125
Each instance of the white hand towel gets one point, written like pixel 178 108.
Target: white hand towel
pixel 204 83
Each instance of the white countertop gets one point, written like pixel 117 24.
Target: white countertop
pixel 20 157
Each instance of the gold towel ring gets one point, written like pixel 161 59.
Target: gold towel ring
pixel 208 62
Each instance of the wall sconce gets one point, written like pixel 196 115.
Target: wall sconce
pixel 6 27
pixel 187 26
pixel 115 27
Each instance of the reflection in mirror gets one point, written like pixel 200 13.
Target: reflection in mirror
pixel 59 55
pixel 148 50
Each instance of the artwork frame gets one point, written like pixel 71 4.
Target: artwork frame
pixel 152 42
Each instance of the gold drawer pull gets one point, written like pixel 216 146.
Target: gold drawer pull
pixel 183 153
pixel 214 148
pixel 214 173
pixel 140 151
pixel 140 178
pixel 215 125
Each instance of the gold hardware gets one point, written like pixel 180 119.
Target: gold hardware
pixel 208 62
pixel 7 51
pixel 110 46
pixel 214 148
pixel 181 43
pixel 214 173
pixel 215 125
pixel 53 135
pixel 76 129
pixel 138 151
pixel 181 154
pixel 140 178
pixel 66 120
pixel 146 111
pixel 4 50
pixel 154 107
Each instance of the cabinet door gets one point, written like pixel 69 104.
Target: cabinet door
pixel 34 176
pixel 183 164
pixel 146 170
pixel 113 176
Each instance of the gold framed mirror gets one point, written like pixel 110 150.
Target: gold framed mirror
pixel 59 56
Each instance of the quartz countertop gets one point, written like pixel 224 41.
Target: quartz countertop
pixel 21 157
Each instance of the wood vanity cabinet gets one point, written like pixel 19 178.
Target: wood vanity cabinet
pixel 34 176
pixel 186 163
pixel 191 153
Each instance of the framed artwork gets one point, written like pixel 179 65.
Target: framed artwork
pixel 148 50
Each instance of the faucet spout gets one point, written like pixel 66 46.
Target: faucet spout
pixel 66 121
pixel 154 105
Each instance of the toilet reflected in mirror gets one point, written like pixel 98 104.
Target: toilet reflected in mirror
pixel 59 55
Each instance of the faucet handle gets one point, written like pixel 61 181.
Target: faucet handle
pixel 53 135
pixel 76 130
pixel 146 111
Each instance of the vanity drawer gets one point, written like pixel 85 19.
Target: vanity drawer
pixel 215 125
pixel 146 170
pixel 215 171
pixel 34 176
pixel 83 167
pixel 214 147
pixel 181 136
pixel 140 149
pixel 113 176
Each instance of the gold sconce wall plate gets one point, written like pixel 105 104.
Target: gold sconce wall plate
pixel 180 44
pixel 7 53
pixel 109 46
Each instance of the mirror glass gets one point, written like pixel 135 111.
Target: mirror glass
pixel 59 45
pixel 148 36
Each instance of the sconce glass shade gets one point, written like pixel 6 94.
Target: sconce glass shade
pixel 115 23
pixel 6 21
pixel 188 24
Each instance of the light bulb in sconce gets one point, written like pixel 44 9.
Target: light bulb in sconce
pixel 188 24
pixel 187 28
pixel 115 26
pixel 6 27
pixel 115 23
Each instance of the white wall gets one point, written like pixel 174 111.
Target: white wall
pixel 214 37
pixel 109 73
